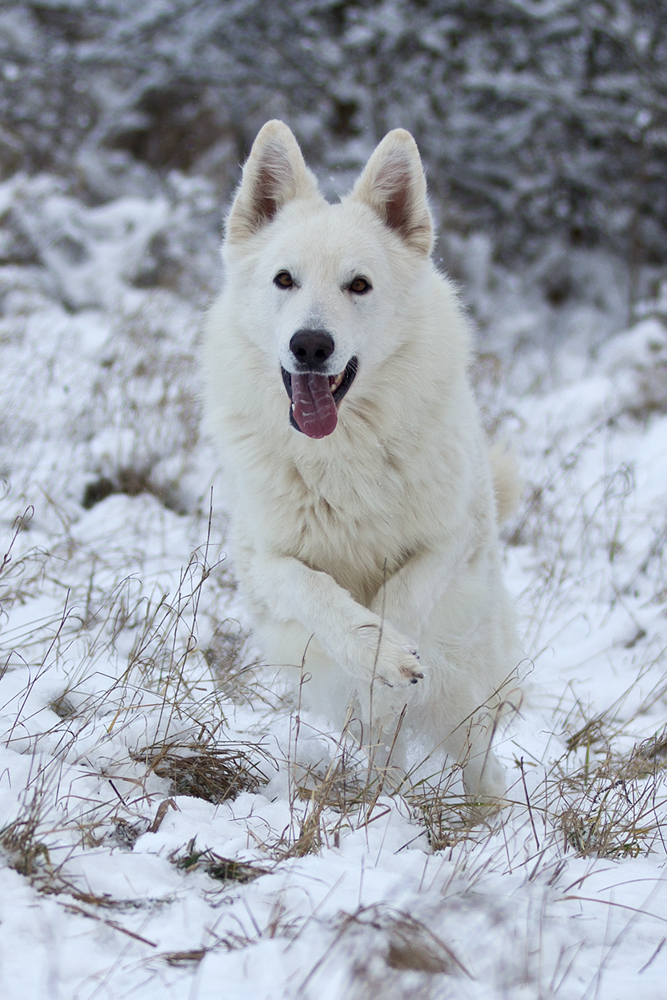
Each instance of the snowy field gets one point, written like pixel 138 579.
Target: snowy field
pixel 154 841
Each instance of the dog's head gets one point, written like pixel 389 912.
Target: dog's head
pixel 328 290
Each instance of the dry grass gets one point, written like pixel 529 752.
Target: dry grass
pixel 189 859
pixel 26 853
pixel 163 677
pixel 388 952
pixel 133 483
pixel 444 813
pixel 611 805
pixel 211 771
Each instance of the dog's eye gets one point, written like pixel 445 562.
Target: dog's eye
pixel 283 279
pixel 360 286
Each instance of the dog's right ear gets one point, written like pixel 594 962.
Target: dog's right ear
pixel 274 174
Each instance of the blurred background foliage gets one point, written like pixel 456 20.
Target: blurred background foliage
pixel 538 120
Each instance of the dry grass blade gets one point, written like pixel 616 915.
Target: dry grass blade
pixel 184 959
pixel 648 757
pixel 109 923
pixel 588 735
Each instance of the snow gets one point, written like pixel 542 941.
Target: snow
pixel 121 635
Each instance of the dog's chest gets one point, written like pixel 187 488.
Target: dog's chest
pixel 357 521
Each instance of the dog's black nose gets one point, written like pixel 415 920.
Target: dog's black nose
pixel 312 347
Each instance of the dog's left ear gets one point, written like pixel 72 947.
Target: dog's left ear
pixel 394 186
pixel 274 174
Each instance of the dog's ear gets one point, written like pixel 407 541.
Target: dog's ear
pixel 394 186
pixel 274 174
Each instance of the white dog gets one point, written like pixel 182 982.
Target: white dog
pixel 363 505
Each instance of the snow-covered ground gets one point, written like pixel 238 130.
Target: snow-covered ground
pixel 126 682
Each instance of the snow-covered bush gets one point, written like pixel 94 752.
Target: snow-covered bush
pixel 535 118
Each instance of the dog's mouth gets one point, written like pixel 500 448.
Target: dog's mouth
pixel 315 399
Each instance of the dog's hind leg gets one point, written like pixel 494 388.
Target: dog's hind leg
pixel 381 734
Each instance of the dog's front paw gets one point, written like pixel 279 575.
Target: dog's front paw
pixel 405 667
pixel 389 657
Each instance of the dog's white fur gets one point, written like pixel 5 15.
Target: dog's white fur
pixel 357 549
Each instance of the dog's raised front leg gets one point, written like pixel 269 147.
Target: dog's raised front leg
pixel 356 638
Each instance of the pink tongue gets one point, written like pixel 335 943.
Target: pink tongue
pixel 314 407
